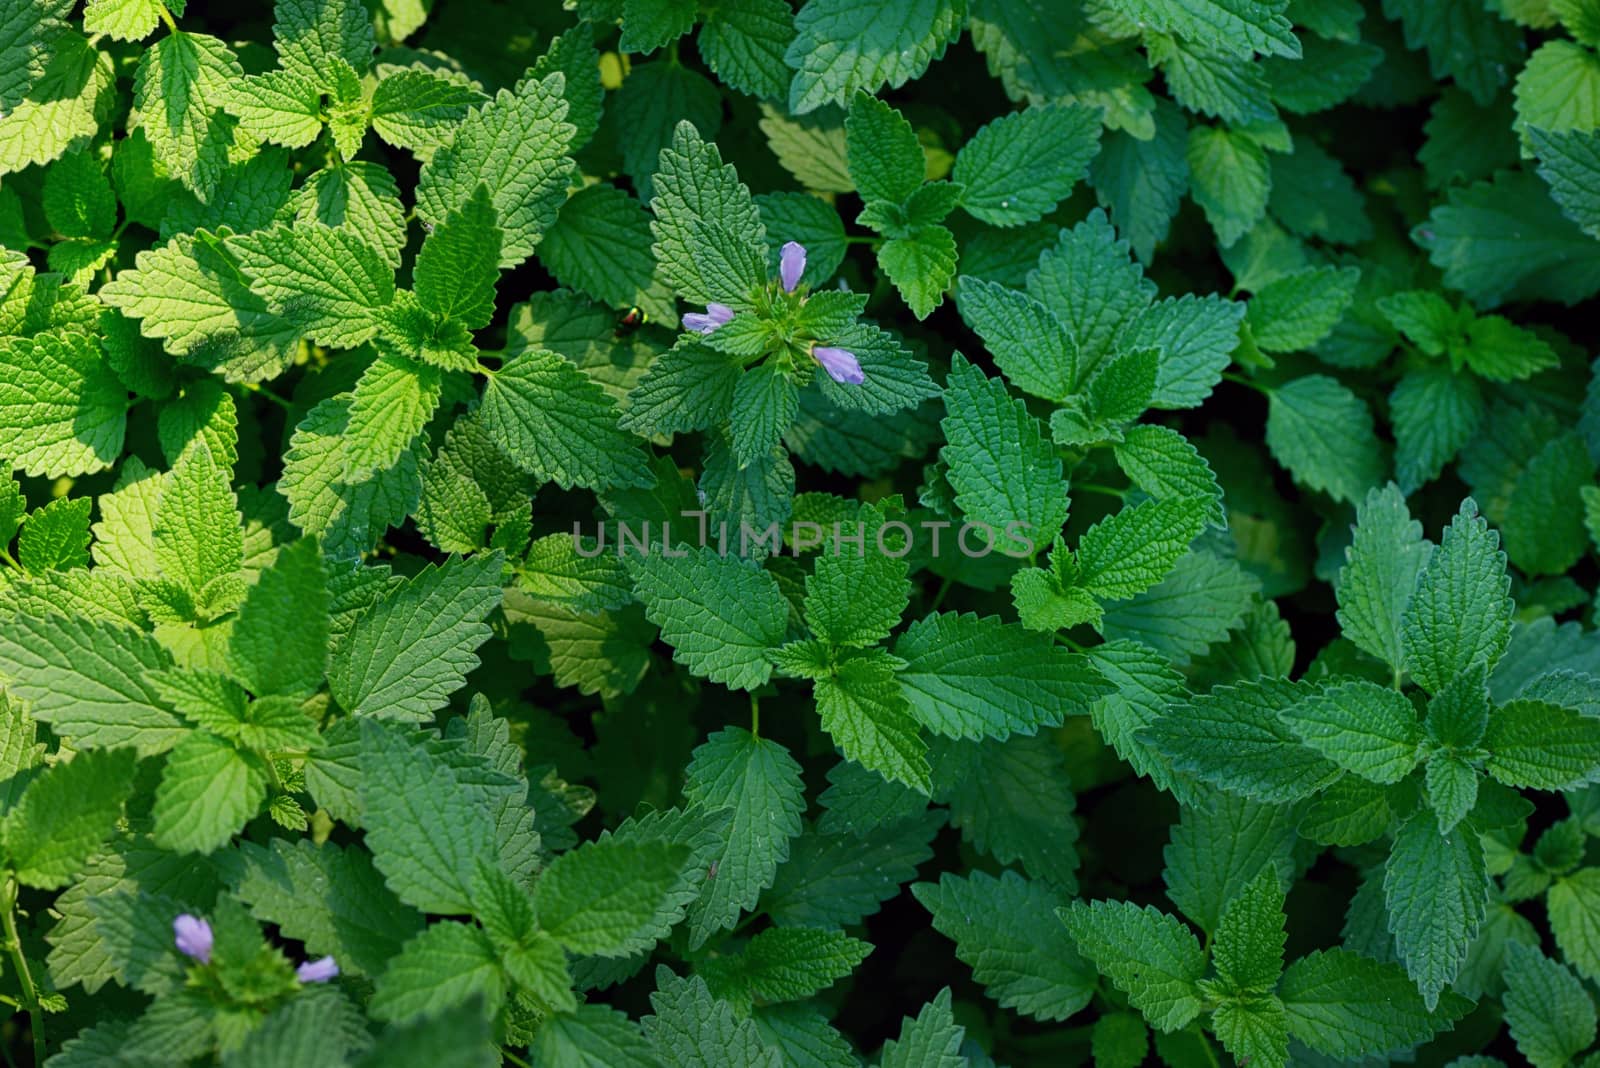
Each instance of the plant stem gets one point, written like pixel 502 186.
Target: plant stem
pixel 514 1059
pixel 19 960
pixel 755 716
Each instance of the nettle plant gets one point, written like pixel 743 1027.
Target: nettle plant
pixel 759 534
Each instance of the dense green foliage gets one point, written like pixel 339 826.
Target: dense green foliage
pixel 734 533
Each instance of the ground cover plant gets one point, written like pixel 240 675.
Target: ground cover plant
pixel 729 533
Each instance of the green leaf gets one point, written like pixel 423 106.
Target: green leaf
pixel 64 814
pixel 1298 310
pixel 1324 435
pixel 592 1036
pixel 64 106
pixel 743 45
pixel 181 81
pixel 764 404
pixel 198 542
pixel 1142 182
pixel 87 680
pixel 921 266
pixel 1234 737
pixel 1570 164
pixel 1384 563
pixel 600 244
pixel 414 646
pixel 841 47
pixel 1161 462
pixel 1437 893
pixel 1464 40
pixel 719 613
pixel 559 425
pixel 1018 167
pixel 1435 412
pixel 1573 904
pixel 279 643
pixel 389 407
pixel 345 514
pixel 1230 180
pixel 759 782
pixel 62 410
pixel 208 791
pixel 329 897
pixel 56 537
pixel 1365 728
pixel 1219 845
pixel 1148 955
pixel 426 823
pixel 1004 930
pixel 786 964
pixel 420 110
pixel 1127 553
pixel 189 293
pixel 355 195
pixel 1203 598
pixel 278 106
pixel 599 898
pixel 886 160
pixel 1213 83
pixel 969 676
pixel 1250 935
pixel 330 283
pixel 1542 746
pixel 1559 89
pixel 445 967
pixel 1029 344
pixel 863 709
pixel 695 1030
pixel 1506 239
pixel 1012 800
pixel 1461 611
pixel 710 242
pixel 1347 1006
pixel 458 264
pixel 1233 27
pixel 1550 1014
pixel 1005 475
pixel 516 145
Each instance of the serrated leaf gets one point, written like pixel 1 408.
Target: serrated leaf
pixel 759 782
pixel 559 425
pixel 840 47
pixel 409 651
pixel 1437 893
pixel 1148 955
pixel 1004 929
pixel 516 145
pixel 719 613
pixel 597 899
pixel 1461 611
pixel 64 814
pixel 208 791
pixel 62 410
pixel 968 676
pixel 1324 435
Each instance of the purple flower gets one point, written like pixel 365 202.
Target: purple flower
pixel 317 971
pixel 791 264
pixel 841 365
pixel 714 316
pixel 192 935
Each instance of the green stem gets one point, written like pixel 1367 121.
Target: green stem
pixel 19 960
pixel 166 17
pixel 267 394
pixel 755 716
pixel 1096 487
pixel 1247 383
pixel 938 596
pixel 514 1059
pixel 5 554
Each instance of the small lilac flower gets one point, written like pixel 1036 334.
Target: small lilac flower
pixel 841 365
pixel 192 935
pixel 791 264
pixel 317 971
pixel 714 316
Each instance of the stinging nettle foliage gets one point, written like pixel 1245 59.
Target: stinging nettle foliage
pixel 799 533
